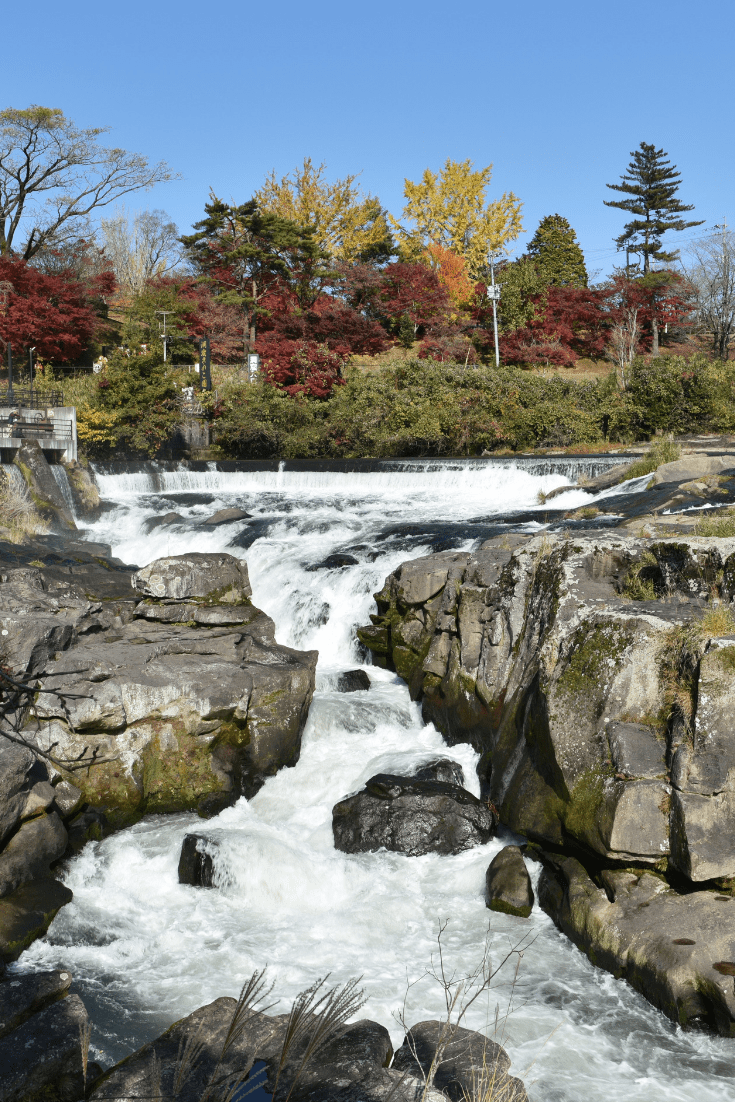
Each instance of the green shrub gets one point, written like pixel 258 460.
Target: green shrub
pixel 662 451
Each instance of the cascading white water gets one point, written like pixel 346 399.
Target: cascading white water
pixel 145 950
pixel 62 481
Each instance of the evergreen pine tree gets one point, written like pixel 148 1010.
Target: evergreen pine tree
pixel 652 182
pixel 555 251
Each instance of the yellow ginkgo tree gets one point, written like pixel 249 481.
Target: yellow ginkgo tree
pixel 451 209
pixel 346 224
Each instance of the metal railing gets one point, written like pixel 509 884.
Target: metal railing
pixel 20 396
pixel 38 429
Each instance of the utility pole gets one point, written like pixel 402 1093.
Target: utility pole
pixel 31 352
pixel 10 372
pixel 494 295
pixel 165 313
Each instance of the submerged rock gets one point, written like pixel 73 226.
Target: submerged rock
pixel 163 521
pixel 411 816
pixel 508 885
pixel 353 681
pixel 226 516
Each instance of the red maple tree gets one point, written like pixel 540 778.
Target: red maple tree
pixel 57 312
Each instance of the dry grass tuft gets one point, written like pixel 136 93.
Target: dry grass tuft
pixel 722 524
pixel 18 513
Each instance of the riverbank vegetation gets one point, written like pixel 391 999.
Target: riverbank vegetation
pixel 407 407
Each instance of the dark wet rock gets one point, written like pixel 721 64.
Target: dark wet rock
pixel 90 825
pixel 334 562
pixel 675 949
pixel 412 817
pixel 352 681
pixel 27 913
pixel 469 1066
pixel 441 769
pixel 136 1076
pixel 215 576
pixel 508 885
pixel 43 1057
pixel 196 866
pixel 30 852
pixel 151 523
pixel 24 995
pixel 226 516
pixel 359 1050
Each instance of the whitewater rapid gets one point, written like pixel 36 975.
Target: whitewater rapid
pixel 146 950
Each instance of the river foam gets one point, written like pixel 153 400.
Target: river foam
pixel 146 950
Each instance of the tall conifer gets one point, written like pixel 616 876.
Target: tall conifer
pixel 652 183
pixel 555 251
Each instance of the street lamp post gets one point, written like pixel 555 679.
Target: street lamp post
pixel 494 292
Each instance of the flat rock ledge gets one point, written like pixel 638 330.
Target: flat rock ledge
pixel 595 675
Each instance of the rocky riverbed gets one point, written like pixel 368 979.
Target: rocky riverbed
pixel 588 668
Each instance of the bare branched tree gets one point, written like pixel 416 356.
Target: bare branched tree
pixel 624 341
pixel 710 268
pixel 140 246
pixel 53 175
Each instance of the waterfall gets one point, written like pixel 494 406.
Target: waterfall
pixel 62 481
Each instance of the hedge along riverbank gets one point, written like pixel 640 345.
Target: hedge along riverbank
pixel 405 408
pixel 420 407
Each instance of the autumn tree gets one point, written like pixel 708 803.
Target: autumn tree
pixel 452 272
pixel 412 291
pixel 555 251
pixel 55 312
pixel 140 247
pixel 53 175
pixel 652 183
pixel 346 224
pixel 451 209
pixel 242 253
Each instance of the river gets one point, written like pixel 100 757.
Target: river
pixel 146 950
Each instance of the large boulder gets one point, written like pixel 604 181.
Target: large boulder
pixel 677 950
pixel 213 577
pixel 466 1063
pixel 508 885
pixel 153 705
pixel 411 816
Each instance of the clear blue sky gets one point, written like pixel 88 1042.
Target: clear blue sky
pixel 555 95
